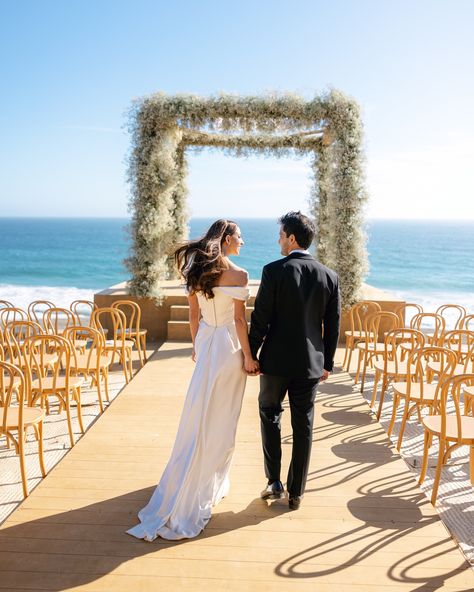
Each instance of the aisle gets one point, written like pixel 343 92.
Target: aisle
pixel 363 525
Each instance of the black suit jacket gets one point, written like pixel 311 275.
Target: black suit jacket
pixel 298 296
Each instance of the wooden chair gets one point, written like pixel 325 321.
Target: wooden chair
pixel 15 334
pixel 132 330
pixel 37 308
pixel 117 346
pixel 392 367
pixel 421 322
pixel 48 380
pixel 468 322
pixel 451 426
pixel 6 304
pixel 357 315
pixel 83 309
pixel 409 307
pixel 57 320
pixel 369 347
pixel 461 342
pixel 452 310
pixel 8 315
pixel 17 419
pixel 416 392
pixel 94 361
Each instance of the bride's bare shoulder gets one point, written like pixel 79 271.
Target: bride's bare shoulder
pixel 234 276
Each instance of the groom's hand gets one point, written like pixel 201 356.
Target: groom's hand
pixel 251 367
pixel 325 376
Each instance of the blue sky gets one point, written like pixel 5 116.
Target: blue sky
pixel 69 71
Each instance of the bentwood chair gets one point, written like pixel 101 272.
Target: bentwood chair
pixel 468 322
pixel 8 315
pixel 106 317
pixel 453 314
pixel 15 334
pixel 37 308
pixel 451 426
pixel 392 367
pixel 369 346
pixel 17 419
pixel 57 320
pixel 407 311
pixel 6 304
pixel 357 316
pixel 93 362
pixel 133 330
pixel 83 310
pixel 58 380
pixel 432 325
pixel 461 343
pixel 416 392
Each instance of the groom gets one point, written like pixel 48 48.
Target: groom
pixel 298 298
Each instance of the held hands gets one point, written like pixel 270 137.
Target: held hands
pixel 251 366
pixel 325 376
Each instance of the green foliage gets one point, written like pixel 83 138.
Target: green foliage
pixel 162 127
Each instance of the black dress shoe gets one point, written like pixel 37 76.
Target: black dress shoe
pixel 294 501
pixel 273 491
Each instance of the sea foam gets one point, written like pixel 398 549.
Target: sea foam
pixel 21 296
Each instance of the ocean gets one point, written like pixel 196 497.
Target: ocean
pixel 63 259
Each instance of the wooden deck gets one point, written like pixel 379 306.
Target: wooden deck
pixel 363 526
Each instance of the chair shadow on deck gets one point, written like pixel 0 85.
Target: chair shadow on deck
pixel 79 546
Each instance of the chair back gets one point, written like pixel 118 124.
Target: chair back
pixel 407 311
pixel 460 341
pixel 450 403
pixel 112 319
pixel 55 320
pixel 415 340
pixel 132 314
pixel 6 304
pixel 95 344
pixel 377 323
pixel 417 367
pixel 83 310
pixel 360 311
pixel 12 384
pixel 468 322
pixel 37 352
pixel 15 334
pixel 431 324
pixel 453 314
pixel 8 315
pixel 37 308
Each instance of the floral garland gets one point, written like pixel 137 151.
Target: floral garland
pixel 163 127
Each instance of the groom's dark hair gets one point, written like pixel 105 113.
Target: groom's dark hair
pixel 301 226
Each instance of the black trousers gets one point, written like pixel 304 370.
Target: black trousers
pixel 301 395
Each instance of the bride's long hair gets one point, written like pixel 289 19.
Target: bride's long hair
pixel 201 262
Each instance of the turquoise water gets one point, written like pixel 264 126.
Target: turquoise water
pixel 61 259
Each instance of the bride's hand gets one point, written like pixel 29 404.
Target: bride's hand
pixel 193 355
pixel 251 366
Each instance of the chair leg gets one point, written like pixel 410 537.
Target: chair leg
pixel 145 359
pixel 79 408
pixel 40 448
pixel 382 396
pixel 424 465
pixel 106 384
pixel 346 353
pixel 351 349
pixel 21 452
pixel 139 349
pixel 396 400
pixel 359 361
pixel 374 390
pixel 406 412
pixel 69 422
pixel 439 467
pixel 364 369
pixel 99 392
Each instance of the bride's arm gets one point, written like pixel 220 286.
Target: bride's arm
pixel 250 365
pixel 193 317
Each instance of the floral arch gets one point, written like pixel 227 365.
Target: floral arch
pixel 164 127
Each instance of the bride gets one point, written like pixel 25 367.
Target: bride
pixel 196 476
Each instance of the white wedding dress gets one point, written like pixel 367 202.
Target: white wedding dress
pixel 196 476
